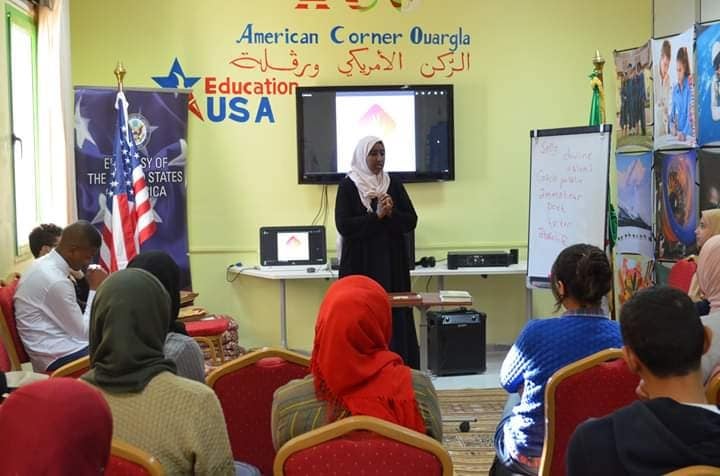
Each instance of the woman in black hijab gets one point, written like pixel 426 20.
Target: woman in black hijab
pixel 179 347
pixel 178 421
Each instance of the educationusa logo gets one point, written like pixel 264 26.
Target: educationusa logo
pixel 226 98
pixel 358 5
pixel 176 78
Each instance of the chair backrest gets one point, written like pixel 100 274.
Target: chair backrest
pixel 5 364
pixel 129 460
pixel 589 388
pixel 363 445
pixel 712 389
pixel 698 470
pixel 74 369
pixel 681 274
pixel 8 327
pixel 245 388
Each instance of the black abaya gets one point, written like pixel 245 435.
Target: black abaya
pixel 376 248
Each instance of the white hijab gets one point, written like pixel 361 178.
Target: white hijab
pixel 368 184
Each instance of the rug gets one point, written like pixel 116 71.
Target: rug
pixel 472 452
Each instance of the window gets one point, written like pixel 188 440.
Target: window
pixel 22 54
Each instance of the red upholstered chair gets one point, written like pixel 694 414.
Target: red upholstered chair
pixel 74 369
pixel 129 460
pixel 712 389
pixel 5 364
pixel 589 388
pixel 209 332
pixel 681 274
pixel 362 445
pixel 245 388
pixel 8 328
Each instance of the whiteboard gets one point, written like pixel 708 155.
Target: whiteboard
pixel 568 193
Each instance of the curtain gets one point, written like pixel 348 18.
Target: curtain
pixel 55 114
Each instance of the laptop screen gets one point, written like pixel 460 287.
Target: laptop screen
pixel 282 246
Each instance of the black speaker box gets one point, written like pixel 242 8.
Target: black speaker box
pixel 456 342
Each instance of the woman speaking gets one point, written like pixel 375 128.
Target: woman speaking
pixel 372 212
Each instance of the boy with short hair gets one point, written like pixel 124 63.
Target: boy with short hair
pixel 675 426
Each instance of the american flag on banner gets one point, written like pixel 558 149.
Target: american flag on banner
pixel 129 220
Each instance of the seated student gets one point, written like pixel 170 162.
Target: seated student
pixel 50 323
pixel 708 273
pixel 56 427
pixel 675 427
pixel 581 277
pixel 42 240
pixel 708 227
pixel 176 420
pixel 353 370
pixel 179 347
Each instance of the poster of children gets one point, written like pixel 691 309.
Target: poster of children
pixel 674 117
pixel 709 178
pixel 708 84
pixel 676 203
pixel 633 69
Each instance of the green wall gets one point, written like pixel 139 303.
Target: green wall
pixel 530 62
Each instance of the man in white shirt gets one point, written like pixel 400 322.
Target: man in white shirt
pixel 50 323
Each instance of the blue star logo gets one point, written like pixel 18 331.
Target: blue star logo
pixel 174 77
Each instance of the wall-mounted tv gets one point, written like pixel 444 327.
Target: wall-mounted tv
pixel 414 122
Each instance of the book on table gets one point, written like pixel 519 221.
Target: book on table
pixel 454 296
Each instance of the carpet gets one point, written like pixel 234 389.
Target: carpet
pixel 472 452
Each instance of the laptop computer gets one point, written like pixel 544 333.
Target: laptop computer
pixel 292 247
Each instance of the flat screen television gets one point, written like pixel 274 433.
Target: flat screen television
pixel 414 122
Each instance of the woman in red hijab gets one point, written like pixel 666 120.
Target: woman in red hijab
pixel 353 371
pixel 56 427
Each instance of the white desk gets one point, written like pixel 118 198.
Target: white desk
pixel 439 271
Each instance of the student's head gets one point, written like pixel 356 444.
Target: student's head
pixel 662 333
pixel 79 243
pixel 129 321
pixel 369 156
pixel 683 64
pixel 708 271
pixel 44 238
pixel 351 361
pixel 59 426
pixel 708 226
pixel 163 267
pixel 580 275
pixel 665 53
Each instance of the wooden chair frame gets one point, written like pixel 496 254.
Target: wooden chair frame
pixel 712 389
pixel 5 334
pixel 214 345
pixel 138 456
pixel 375 425
pixel 699 470
pixel 72 367
pixel 252 357
pixel 554 381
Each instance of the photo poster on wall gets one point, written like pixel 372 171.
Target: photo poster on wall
pixel 633 272
pixel 676 204
pixel 708 84
pixel 709 166
pixel 674 121
pixel 634 205
pixel 634 118
pixel 568 194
